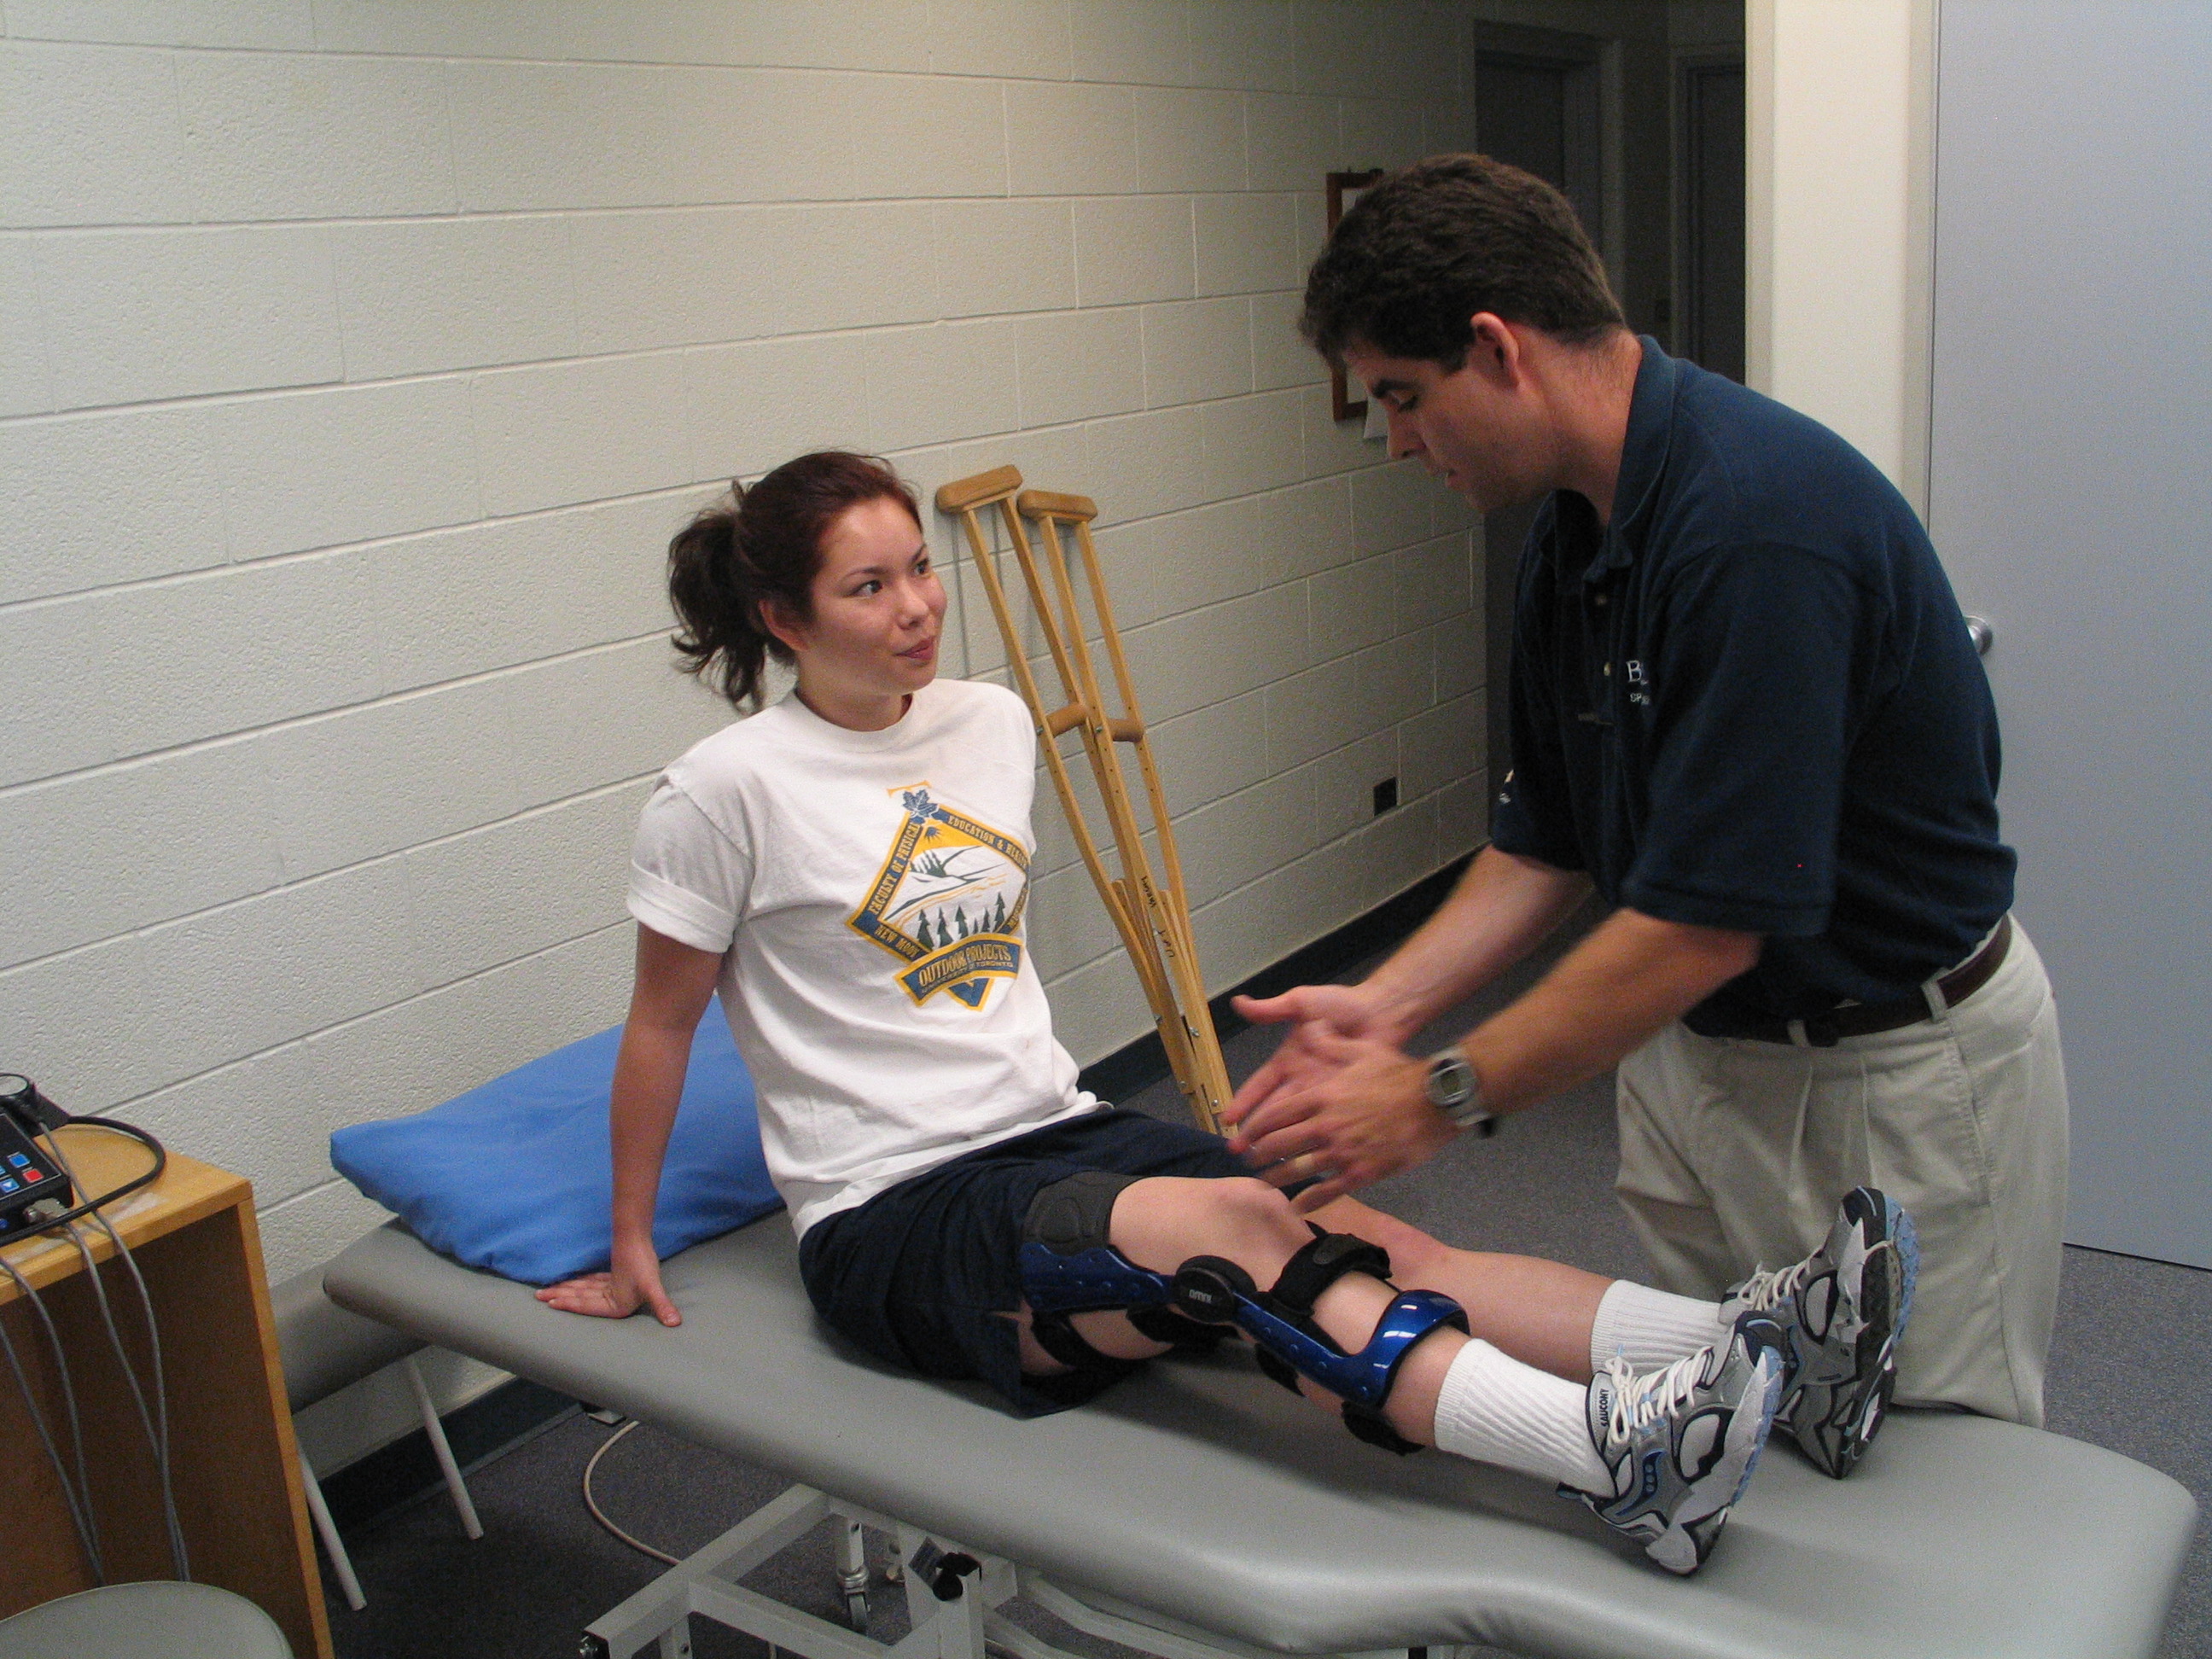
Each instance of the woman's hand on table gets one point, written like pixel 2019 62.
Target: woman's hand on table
pixel 632 1281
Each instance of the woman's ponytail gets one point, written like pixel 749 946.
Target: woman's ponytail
pixel 719 634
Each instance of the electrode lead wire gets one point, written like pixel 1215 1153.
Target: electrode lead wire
pixel 80 1505
pixel 157 1439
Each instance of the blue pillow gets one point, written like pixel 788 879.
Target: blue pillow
pixel 515 1176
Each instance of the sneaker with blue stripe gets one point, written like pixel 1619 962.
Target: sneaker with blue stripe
pixel 1681 1443
pixel 1843 1310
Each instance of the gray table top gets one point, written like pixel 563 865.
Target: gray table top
pixel 1201 1490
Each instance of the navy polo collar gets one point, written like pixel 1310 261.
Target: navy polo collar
pixel 1642 461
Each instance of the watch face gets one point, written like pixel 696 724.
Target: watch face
pixel 1451 1081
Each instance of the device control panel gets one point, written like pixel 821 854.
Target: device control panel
pixel 27 1176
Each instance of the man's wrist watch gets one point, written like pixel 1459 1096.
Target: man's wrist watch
pixel 1455 1091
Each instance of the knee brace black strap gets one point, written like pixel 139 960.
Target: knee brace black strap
pixel 1324 1259
pixel 1057 1337
pixel 1166 1325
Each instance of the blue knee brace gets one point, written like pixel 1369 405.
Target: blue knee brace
pixel 1069 1269
pixel 1279 1321
pixel 1092 1281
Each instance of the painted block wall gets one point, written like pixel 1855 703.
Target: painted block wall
pixel 357 358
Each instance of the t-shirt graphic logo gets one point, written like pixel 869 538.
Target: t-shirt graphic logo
pixel 948 902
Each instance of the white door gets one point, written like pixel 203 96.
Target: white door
pixel 2070 495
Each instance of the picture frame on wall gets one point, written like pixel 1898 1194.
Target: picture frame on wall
pixel 1344 189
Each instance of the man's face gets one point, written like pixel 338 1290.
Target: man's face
pixel 1475 426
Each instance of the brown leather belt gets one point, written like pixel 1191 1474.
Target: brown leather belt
pixel 1864 1019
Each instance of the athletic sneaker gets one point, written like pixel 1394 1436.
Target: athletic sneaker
pixel 1681 1443
pixel 1843 1309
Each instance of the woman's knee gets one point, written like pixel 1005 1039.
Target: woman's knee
pixel 1162 1222
pixel 1249 1204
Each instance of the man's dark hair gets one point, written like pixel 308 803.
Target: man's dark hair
pixel 1429 246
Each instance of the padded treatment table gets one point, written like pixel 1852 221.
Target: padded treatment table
pixel 1208 1504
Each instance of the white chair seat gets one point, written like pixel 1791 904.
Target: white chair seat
pixel 153 1620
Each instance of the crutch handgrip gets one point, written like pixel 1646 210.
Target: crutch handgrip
pixel 1069 715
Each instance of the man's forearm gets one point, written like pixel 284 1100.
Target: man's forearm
pixel 1632 976
pixel 1503 908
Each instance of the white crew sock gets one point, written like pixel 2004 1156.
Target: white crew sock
pixel 1650 1328
pixel 1494 1409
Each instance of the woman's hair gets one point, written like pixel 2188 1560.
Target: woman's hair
pixel 1432 245
pixel 763 548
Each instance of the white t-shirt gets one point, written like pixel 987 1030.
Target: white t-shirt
pixel 867 887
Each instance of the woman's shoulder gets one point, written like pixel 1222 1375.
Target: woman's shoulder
pixel 978 698
pixel 730 757
pixel 987 717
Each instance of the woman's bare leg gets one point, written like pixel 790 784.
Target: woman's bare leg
pixel 1540 1312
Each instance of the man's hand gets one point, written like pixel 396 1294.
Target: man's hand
pixel 1312 1012
pixel 1349 1010
pixel 632 1281
pixel 1353 1110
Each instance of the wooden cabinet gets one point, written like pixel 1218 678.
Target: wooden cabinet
pixel 235 1468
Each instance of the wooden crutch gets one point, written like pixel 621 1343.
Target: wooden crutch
pixel 1153 919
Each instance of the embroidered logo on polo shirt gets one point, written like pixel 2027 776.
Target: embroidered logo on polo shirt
pixel 1639 688
pixel 948 902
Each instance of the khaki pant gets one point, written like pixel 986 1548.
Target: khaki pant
pixel 1734 1153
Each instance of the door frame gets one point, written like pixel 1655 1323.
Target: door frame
pixel 1684 65
pixel 1839 108
pixel 1602 53
pixel 1501 542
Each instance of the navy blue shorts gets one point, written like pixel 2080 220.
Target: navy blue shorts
pixel 924 1273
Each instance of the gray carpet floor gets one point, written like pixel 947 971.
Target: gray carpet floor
pixel 2131 1370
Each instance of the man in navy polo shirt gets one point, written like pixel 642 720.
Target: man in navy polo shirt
pixel 1745 708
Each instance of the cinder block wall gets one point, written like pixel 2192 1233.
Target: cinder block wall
pixel 356 361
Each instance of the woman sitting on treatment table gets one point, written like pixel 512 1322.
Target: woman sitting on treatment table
pixel 849 867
